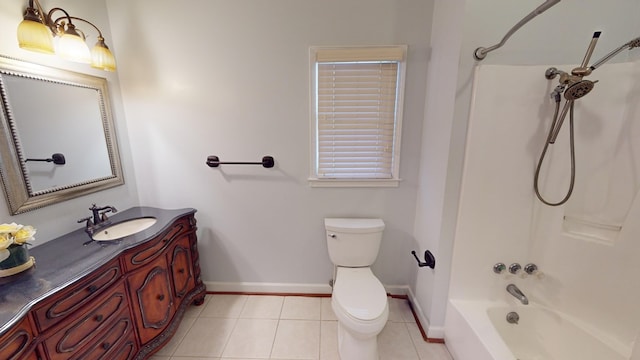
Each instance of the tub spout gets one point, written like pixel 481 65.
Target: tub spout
pixel 513 290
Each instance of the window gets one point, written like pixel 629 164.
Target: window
pixel 356 115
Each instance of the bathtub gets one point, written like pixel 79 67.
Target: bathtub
pixel 476 330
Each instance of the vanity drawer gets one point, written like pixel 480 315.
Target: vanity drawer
pixel 115 343
pixel 66 340
pixel 17 342
pixel 149 251
pixel 69 300
pixel 125 351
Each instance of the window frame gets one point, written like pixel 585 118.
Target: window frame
pixel 318 181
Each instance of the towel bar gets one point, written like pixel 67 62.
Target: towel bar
pixel 214 161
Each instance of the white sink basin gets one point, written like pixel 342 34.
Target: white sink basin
pixel 125 228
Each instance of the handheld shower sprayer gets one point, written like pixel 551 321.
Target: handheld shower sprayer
pixel 574 87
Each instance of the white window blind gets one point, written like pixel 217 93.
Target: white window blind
pixel 357 96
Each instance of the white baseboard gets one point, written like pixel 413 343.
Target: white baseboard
pixel 286 288
pixel 433 332
pixel 275 288
pixel 402 290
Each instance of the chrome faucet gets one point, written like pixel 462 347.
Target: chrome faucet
pixel 513 290
pixel 98 218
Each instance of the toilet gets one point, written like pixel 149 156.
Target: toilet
pixel 359 300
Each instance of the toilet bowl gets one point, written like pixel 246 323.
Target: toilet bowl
pixel 359 299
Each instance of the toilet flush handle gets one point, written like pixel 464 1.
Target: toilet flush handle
pixel 333 236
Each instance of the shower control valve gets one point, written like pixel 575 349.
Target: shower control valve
pixel 531 269
pixel 514 268
pixel 499 268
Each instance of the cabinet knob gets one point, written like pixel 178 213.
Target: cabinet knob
pixel 91 289
pixel 98 318
pixel 181 271
pixel 106 345
pixel 160 297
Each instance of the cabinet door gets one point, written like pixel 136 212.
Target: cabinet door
pixel 181 268
pixel 16 343
pixel 152 299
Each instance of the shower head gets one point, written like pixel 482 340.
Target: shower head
pixel 578 89
pixel 629 45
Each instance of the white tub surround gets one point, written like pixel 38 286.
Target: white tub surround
pixel 586 248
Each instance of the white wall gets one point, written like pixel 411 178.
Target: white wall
pixel 231 78
pixel 55 220
pixel 431 286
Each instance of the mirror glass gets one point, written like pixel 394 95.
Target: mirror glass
pixel 57 139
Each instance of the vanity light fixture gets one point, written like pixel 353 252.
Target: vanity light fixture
pixel 38 29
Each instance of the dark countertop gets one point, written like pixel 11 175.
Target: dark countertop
pixel 64 260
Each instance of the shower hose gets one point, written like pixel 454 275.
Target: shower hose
pixel 544 153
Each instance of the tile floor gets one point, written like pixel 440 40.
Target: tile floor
pixel 285 327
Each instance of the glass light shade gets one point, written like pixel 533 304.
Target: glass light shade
pixel 35 36
pixel 73 48
pixel 102 58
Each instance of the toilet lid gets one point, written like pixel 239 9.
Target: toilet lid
pixel 359 293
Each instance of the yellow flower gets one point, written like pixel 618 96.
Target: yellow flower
pixel 9 228
pixel 5 241
pixel 24 234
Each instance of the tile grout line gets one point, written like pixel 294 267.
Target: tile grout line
pixel 275 334
pixel 415 347
pixel 235 324
pixel 172 353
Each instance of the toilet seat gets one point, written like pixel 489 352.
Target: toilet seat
pixel 359 294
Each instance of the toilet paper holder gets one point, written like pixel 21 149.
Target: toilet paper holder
pixel 430 260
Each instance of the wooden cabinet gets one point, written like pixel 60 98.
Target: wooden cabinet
pixel 18 343
pixel 124 310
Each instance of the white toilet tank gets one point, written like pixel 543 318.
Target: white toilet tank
pixel 353 242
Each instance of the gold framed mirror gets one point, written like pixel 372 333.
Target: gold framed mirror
pixel 57 135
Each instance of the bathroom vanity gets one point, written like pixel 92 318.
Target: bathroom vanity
pixel 114 300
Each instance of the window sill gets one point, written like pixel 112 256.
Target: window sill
pixel 354 183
